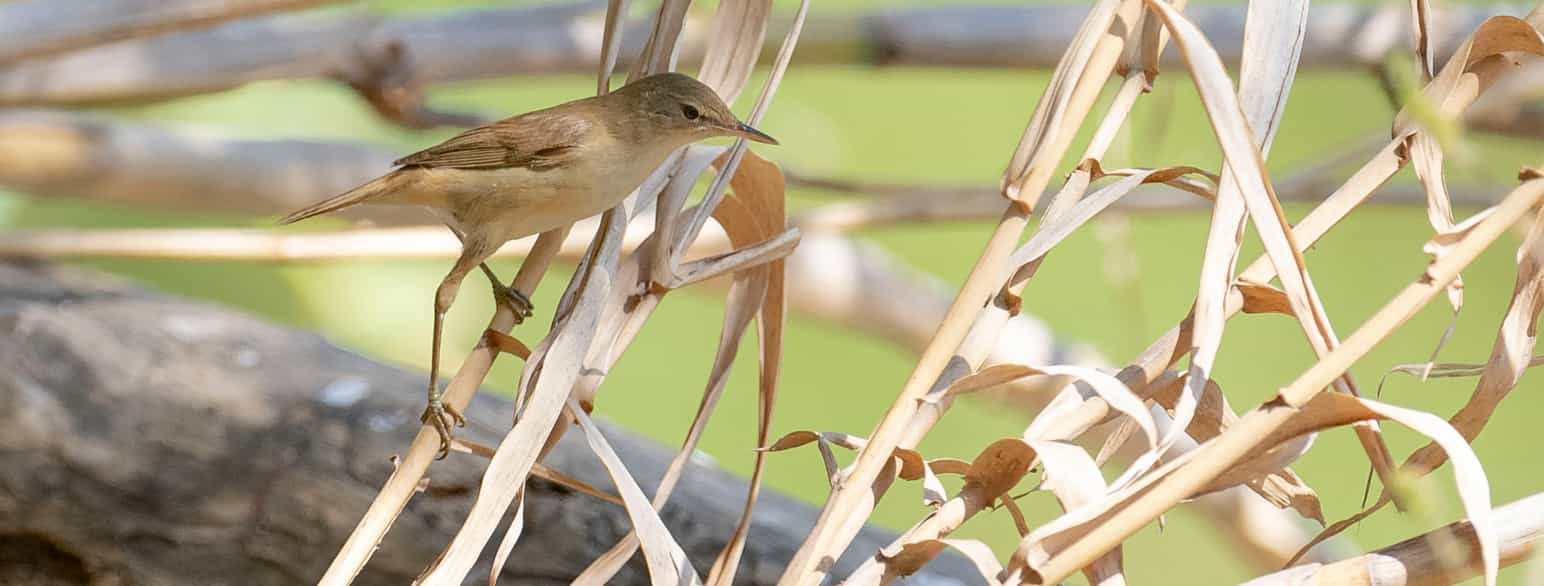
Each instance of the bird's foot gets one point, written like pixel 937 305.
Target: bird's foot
pixel 443 417
pixel 517 302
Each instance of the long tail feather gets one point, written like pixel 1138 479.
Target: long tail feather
pixel 382 185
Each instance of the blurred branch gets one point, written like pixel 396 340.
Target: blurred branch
pixel 62 154
pixel 1444 556
pixel 894 203
pixel 491 43
pixel 37 28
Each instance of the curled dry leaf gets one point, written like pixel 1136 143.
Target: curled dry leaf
pixel 1262 298
pixel 1000 466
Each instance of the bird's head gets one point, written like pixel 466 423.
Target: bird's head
pixel 685 109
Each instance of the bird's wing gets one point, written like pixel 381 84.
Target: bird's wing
pixel 539 140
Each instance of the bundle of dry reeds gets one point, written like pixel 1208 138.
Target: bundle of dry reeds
pixel 1193 442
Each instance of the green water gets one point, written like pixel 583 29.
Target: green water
pixel 902 125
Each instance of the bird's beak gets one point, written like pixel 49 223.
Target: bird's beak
pixel 745 131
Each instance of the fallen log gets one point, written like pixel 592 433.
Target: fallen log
pixel 155 440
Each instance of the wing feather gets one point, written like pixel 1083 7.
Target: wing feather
pixel 539 140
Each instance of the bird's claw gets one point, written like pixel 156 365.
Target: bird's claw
pixel 442 417
pixel 516 301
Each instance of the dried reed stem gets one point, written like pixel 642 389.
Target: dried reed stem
pixel 1236 442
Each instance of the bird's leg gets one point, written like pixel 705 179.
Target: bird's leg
pixel 438 414
pixel 508 296
pixel 505 295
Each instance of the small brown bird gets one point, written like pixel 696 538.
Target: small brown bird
pixel 537 171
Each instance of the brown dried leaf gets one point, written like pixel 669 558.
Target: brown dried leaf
pixel 912 556
pixel 1261 298
pixel 1000 466
pixel 1463 77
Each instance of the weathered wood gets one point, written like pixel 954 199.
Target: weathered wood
pixel 489 43
pixel 36 28
pixel 1445 556
pixel 153 440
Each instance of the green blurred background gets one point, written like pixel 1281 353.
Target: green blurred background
pixel 925 126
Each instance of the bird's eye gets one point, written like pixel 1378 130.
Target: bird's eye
pixel 690 112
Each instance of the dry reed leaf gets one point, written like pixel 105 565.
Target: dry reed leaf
pixel 912 556
pixel 1273 41
pixel 610 45
pixel 659 52
pixel 988 477
pixel 560 356
pixel 1076 481
pixel 1262 298
pixel 823 440
pixel 1047 121
pixel 1246 165
pixel 1262 465
pixel 1285 489
pixel 1470 70
pixel 1427 156
pixel 909 417
pixel 1110 388
pixel 1056 228
pixel 756 209
pixel 1019 522
pixel 666 560
pixel 1083 537
pixel 734 43
pixel 1510 355
pixel 1420 15
pixel 1451 369
pixel 1325 411
pixel 743 300
pixel 1337 528
pixel 507 543
pixel 727 68
pixel 1276 483
pixel 1000 466
pixel 1331 409
pixel 1271 479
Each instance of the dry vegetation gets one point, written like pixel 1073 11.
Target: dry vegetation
pixel 1193 442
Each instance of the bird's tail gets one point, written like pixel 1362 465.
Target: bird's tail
pixel 382 185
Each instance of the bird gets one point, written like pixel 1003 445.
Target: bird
pixel 535 172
